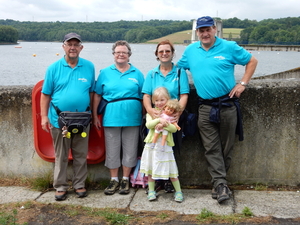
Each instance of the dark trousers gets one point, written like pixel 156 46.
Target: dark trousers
pixel 218 140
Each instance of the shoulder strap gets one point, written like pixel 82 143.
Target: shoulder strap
pixel 58 111
pixel 178 72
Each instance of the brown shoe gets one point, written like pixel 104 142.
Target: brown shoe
pixel 124 187
pixel 112 187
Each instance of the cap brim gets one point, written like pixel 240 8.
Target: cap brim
pixel 205 25
pixel 72 38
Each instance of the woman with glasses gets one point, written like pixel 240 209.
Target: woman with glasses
pixel 121 119
pixel 175 80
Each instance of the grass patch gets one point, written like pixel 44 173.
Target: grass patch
pixel 261 187
pixel 110 216
pixel 180 37
pixel 231 32
pixel 247 212
pixel 42 182
pixel 8 218
pixel 162 216
pixel 176 38
pixel 207 216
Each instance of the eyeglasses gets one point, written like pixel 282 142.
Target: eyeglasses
pixel 70 46
pixel 121 53
pixel 164 51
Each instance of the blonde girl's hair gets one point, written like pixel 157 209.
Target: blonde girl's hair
pixel 160 92
pixel 174 104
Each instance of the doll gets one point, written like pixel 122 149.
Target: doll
pixel 172 106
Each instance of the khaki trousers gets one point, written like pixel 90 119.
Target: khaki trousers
pixel 79 148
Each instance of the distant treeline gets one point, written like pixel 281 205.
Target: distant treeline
pixel 283 31
pixel 269 31
pixel 132 31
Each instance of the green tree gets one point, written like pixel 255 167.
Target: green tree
pixel 8 34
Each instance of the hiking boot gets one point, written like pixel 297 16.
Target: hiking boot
pixel 151 195
pixel 223 193
pixel 178 196
pixel 214 194
pixel 124 187
pixel 112 187
pixel 169 187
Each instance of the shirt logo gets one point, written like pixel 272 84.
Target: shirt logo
pixel 175 79
pixel 82 79
pixel 133 79
pixel 219 57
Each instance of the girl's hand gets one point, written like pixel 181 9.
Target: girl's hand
pixel 159 126
pixel 163 122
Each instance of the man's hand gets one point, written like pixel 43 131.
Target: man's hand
pixel 237 91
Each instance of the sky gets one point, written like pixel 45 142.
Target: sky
pixel 141 10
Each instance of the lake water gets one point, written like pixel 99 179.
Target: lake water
pixel 19 66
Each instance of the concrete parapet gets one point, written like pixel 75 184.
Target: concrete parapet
pixel 257 47
pixel 288 74
pixel 269 154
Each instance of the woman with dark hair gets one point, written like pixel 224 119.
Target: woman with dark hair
pixel 121 119
pixel 175 80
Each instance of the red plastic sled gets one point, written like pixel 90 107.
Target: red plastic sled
pixel 43 141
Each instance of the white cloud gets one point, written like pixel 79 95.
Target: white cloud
pixel 115 10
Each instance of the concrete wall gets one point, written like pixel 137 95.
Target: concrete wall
pixel 253 47
pixel 288 74
pixel 269 154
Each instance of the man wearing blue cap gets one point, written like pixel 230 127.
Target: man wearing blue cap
pixel 211 62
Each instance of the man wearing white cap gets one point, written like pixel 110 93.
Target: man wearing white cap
pixel 211 62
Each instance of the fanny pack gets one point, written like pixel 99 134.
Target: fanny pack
pixel 75 122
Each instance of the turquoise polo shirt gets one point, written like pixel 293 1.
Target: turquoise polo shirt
pixel 69 87
pixel 112 84
pixel 213 70
pixel 155 79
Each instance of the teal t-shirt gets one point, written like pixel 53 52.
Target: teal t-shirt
pixel 155 79
pixel 112 84
pixel 69 87
pixel 213 70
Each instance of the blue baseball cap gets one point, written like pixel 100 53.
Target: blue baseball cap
pixel 205 21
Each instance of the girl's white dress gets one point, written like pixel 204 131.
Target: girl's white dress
pixel 160 164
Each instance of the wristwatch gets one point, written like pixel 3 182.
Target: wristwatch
pixel 243 83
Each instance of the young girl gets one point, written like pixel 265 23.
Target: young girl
pixel 157 164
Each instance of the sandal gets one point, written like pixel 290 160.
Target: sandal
pixel 151 195
pixel 60 195
pixel 81 194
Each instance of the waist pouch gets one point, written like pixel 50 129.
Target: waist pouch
pixel 76 122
